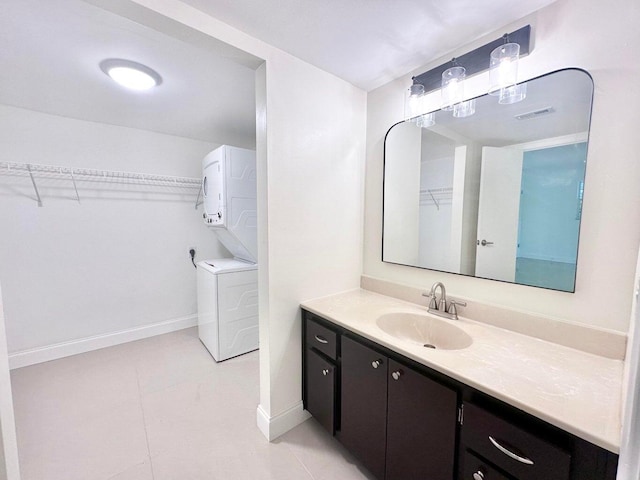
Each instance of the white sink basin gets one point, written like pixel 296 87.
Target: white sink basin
pixel 424 330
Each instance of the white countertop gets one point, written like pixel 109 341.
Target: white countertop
pixel 576 391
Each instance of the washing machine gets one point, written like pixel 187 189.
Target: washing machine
pixel 228 307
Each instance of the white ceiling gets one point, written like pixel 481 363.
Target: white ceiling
pixel 49 55
pixel 50 51
pixel 368 42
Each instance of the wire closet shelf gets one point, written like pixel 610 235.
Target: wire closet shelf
pixel 37 171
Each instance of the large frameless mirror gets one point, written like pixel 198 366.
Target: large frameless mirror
pixel 497 194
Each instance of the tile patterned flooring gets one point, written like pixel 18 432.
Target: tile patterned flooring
pixel 160 409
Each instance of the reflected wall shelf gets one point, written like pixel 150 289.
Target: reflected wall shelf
pixel 436 196
pixel 75 175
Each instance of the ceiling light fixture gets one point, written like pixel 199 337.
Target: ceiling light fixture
pixel 131 75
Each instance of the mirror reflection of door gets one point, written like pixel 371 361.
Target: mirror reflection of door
pixel 529 214
pixel 549 221
pixel 498 212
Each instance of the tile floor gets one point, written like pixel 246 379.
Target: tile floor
pixel 160 409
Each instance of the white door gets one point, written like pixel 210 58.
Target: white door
pixel 629 464
pixel 9 467
pixel 498 210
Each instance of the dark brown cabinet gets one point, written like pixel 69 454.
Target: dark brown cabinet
pixel 421 426
pixel 400 424
pixel 321 381
pixel 363 401
pixel 513 449
pixel 404 421
pixel 477 469
pixel 320 373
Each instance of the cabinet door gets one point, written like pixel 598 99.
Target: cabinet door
pixel 364 405
pixel 421 426
pixel 320 378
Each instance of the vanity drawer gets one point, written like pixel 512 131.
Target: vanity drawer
pixel 321 338
pixel 511 448
pixel 477 469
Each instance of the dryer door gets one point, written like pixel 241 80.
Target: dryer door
pixel 213 188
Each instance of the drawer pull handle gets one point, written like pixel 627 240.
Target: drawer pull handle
pixel 376 363
pixel 397 374
pixel 479 475
pixel 321 339
pixel 508 453
pixel 325 372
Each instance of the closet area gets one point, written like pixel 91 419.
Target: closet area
pixel 101 214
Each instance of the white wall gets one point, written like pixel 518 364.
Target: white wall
pixel 602 38
pixel 310 193
pixel 116 261
pixel 402 206
pixel 436 250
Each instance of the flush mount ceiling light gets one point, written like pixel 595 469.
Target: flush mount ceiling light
pixel 131 75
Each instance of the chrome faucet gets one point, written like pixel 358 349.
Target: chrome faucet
pixel 440 307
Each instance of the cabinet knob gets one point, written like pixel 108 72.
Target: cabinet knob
pixel 325 372
pixel 376 363
pixel 478 475
pixel 396 375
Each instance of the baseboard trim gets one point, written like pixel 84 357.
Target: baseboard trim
pixel 33 356
pixel 273 427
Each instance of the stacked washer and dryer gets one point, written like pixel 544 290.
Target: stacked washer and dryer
pixel 228 287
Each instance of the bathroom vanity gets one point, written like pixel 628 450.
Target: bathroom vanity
pixel 485 403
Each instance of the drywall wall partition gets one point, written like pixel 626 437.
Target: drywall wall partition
pixel 116 261
pixel 601 38
pixel 310 192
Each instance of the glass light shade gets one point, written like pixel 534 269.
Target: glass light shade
pixel 413 102
pixel 503 67
pixel 131 75
pixel 425 121
pixel 452 86
pixel 132 79
pixel 513 94
pixel 464 109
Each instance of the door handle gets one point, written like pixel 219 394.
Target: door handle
pixel 484 243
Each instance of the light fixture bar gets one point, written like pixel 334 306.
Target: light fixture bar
pixel 475 61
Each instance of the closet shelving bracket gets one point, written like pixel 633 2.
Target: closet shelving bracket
pixel 37 171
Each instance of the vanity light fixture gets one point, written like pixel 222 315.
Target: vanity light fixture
pixel 503 73
pixel 131 75
pixel 452 89
pixel 464 109
pixel 505 67
pixel 413 102
pixel 427 120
